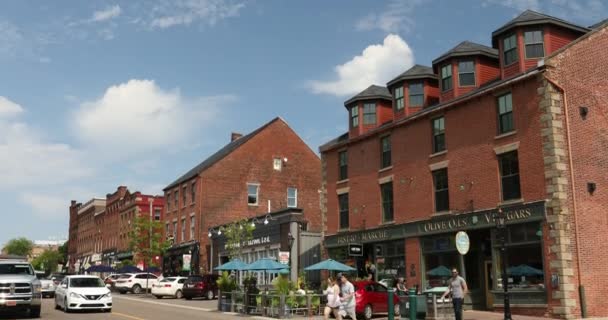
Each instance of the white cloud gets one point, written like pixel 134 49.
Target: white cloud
pixel 106 14
pixel 398 16
pixel 9 108
pixel 377 64
pixel 45 206
pixel 139 116
pixel 185 12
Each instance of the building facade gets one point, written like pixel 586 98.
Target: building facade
pixel 510 133
pixel 268 170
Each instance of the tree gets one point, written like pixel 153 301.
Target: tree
pixel 47 261
pixel 146 239
pixel 63 251
pixel 19 246
pixel 237 234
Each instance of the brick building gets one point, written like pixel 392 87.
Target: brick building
pixel 519 128
pixel 265 174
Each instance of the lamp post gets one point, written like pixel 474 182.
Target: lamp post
pixel 501 234
pixel 291 240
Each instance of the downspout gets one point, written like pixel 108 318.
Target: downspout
pixel 581 288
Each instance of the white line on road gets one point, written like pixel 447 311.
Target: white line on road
pixel 164 304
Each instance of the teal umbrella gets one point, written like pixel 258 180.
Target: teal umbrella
pixel 264 264
pixel 331 265
pixel 524 270
pixel 440 271
pixel 235 264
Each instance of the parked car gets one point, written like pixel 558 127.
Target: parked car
pixel 111 280
pixel 201 286
pixel 19 287
pixel 47 285
pixel 135 282
pixel 83 293
pixel 169 287
pixel 372 298
pixel 57 278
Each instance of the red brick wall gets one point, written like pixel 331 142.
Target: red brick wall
pixel 487 69
pixel 581 71
pixel 412 257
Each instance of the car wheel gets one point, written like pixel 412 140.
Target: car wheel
pixel 178 294
pixel 158 297
pixel 210 295
pixel 368 312
pixel 35 312
pixel 136 289
pixel 66 308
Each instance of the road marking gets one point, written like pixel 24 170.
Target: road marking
pixel 126 316
pixel 166 304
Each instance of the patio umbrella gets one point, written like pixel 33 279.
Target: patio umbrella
pixel 265 264
pixel 235 264
pixel 152 269
pixel 129 269
pixel 331 265
pixel 524 270
pixel 440 271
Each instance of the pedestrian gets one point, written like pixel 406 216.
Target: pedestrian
pixel 459 288
pixel 348 297
pixel 401 287
pixel 333 299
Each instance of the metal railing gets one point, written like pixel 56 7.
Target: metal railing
pixel 273 304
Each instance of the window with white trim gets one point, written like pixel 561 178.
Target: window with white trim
pixel 398 98
pixel 252 194
pixel 292 197
pixel 533 40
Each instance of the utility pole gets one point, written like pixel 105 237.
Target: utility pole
pixel 148 256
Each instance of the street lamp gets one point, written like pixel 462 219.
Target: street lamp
pixel 290 239
pixel 501 234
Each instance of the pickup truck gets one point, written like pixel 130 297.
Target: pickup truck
pixel 20 290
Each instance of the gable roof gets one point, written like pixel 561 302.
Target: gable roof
pixel 372 92
pixel 415 72
pixel 530 17
pixel 468 48
pixel 599 24
pixel 219 155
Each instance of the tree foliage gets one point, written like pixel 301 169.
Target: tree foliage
pixel 237 234
pixel 146 239
pixel 63 251
pixel 47 261
pixel 19 246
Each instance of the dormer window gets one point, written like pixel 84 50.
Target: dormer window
pixel 354 116
pixel 446 77
pixel 399 98
pixel 369 113
pixel 416 94
pixel 509 48
pixel 466 73
pixel 533 41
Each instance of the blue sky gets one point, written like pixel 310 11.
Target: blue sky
pixel 96 94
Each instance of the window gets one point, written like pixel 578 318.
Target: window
pixel 176 197
pixel 416 94
pixel 442 196
pixel 292 197
pixel 509 176
pixel 509 48
pixel 252 194
pixel 343 165
pixel 192 226
pixel 398 98
pixel 386 191
pixel 533 41
pixel 446 77
pixel 505 114
pixel 386 152
pixel 168 201
pixel 438 135
pixel 343 204
pixel 174 229
pixel 184 194
pixel 369 113
pixel 354 116
pixel 193 193
pixel 466 73
pixel 277 164
pixel 156 214
pixel 183 229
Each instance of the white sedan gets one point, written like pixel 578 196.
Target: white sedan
pixel 83 293
pixel 171 286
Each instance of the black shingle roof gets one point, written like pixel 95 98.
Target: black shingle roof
pixel 372 92
pixel 468 48
pixel 530 17
pixel 599 24
pixel 415 72
pixel 223 152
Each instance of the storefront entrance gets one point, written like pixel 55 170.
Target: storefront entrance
pixel 489 283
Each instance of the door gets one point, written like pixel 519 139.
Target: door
pixel 489 284
pixel 380 298
pixel 60 291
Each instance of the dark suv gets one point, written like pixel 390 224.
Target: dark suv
pixel 200 286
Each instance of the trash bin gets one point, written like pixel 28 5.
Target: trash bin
pixel 437 308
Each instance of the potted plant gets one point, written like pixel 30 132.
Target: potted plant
pixel 284 289
pixel 226 284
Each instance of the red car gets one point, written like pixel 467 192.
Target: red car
pixel 372 298
pixel 200 286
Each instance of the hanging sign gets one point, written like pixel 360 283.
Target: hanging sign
pixel 284 257
pixel 355 250
pixel 462 242
pixel 187 258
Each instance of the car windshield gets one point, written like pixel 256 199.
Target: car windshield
pixel 86 283
pixel 17 268
pixel 168 280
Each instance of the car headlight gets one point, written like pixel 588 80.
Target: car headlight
pixel 107 295
pixel 76 295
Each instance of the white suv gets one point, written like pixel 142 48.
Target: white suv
pixel 135 282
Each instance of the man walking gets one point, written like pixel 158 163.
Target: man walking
pixel 459 288
pixel 348 297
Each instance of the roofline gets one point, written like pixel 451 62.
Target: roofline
pixel 575 41
pixel 547 20
pixel 447 56
pixel 437 108
pixel 373 97
pixel 411 77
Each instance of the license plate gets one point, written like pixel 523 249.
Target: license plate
pixel 190 285
pixel 11 303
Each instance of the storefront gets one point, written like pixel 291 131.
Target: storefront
pixel 124 255
pixel 108 257
pixel 435 254
pixel 182 259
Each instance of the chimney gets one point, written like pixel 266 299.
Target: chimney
pixel 73 203
pixel 234 136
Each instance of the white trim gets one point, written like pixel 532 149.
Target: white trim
pixel 439 165
pixel 342 190
pixel 386 179
pixel 296 197
pixel 257 194
pixel 506 148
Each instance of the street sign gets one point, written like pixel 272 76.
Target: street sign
pixel 284 257
pixel 462 242
pixel 355 250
